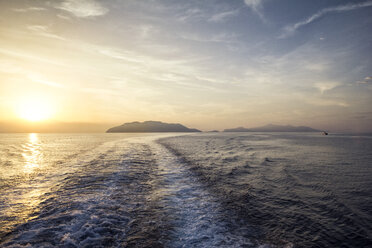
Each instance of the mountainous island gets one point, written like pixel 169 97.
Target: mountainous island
pixel 273 128
pixel 150 126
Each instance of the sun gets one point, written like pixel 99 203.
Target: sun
pixel 34 109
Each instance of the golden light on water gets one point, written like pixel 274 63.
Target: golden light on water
pixel 34 109
pixel 33 137
pixel 32 153
pixel 28 197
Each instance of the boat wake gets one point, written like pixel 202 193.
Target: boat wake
pixel 134 192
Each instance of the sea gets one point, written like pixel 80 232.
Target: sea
pixel 261 190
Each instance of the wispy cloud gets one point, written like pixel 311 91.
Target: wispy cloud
pixel 326 102
pixel 324 86
pixel 63 17
pixel 29 56
pixel 228 38
pixel 6 67
pixel 192 13
pixel 44 31
pixel 83 8
pixel 256 6
pixel 290 29
pixel 29 9
pixel 41 80
pixel 365 81
pixel 223 16
pixel 181 72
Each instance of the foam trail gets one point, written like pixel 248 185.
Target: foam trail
pixel 196 216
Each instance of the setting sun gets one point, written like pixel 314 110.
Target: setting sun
pixel 34 109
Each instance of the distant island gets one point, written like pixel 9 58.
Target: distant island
pixel 273 128
pixel 150 126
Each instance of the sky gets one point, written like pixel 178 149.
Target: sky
pixel 208 64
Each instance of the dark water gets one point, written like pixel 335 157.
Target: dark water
pixel 199 190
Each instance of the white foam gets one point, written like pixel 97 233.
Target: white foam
pixel 194 211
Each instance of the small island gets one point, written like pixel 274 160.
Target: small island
pixel 273 128
pixel 150 127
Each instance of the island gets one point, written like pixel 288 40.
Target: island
pixel 150 127
pixel 273 128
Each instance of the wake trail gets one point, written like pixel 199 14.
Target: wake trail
pixel 196 217
pixel 130 193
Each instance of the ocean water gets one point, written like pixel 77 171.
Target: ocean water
pixel 177 190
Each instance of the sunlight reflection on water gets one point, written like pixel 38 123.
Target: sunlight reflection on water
pixel 32 153
pixel 27 196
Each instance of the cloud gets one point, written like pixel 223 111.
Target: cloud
pixel 120 54
pixel 324 86
pixel 6 67
pixel 256 6
pixel 193 13
pixel 326 102
pixel 30 57
pixel 220 17
pixel 29 9
pixel 83 8
pixel 199 12
pixel 41 80
pixel 291 29
pixel 44 31
pixel 227 38
pixel 180 72
pixel 253 3
pixel 63 17
pixel 318 66
pixel 365 81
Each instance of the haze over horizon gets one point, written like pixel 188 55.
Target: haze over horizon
pixel 205 64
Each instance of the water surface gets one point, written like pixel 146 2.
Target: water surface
pixel 198 190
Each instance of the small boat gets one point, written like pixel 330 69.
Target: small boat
pixel 325 133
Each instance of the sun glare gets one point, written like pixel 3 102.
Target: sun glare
pixel 34 109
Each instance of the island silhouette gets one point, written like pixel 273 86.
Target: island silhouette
pixel 149 127
pixel 273 128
